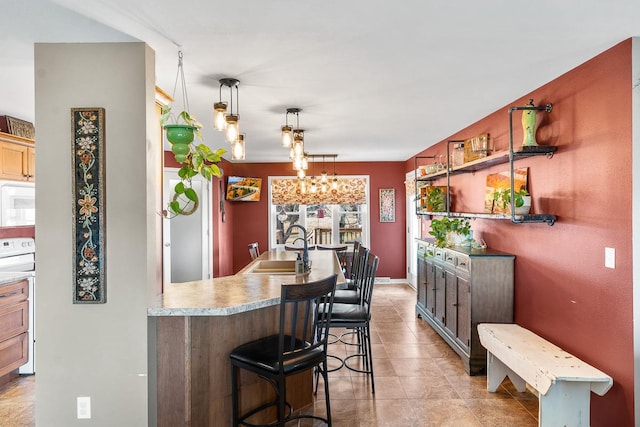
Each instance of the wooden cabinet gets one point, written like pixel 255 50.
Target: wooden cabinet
pixel 17 158
pixel 14 322
pixel 460 288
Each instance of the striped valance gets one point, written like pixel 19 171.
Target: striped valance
pixel 288 191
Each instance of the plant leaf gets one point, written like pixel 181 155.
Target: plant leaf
pixel 191 194
pixel 179 188
pixel 174 206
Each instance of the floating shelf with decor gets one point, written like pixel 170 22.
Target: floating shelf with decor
pixel 423 178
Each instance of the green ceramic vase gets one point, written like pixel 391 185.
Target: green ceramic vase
pixel 180 136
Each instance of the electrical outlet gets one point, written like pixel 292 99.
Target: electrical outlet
pixel 84 407
pixel 610 257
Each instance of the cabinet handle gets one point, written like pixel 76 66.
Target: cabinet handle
pixel 455 304
pixel 9 295
pixel 464 264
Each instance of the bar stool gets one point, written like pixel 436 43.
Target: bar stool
pixel 357 317
pixel 300 345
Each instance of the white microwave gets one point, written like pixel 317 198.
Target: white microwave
pixel 17 203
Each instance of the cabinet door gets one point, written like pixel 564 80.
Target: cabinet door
pixel 13 161
pixel 430 286
pixel 463 292
pixel 451 302
pixel 422 282
pixel 440 283
pixel 31 164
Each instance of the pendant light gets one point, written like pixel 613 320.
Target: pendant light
pixel 232 119
pixel 334 182
pixel 287 130
pixel 238 148
pixel 219 111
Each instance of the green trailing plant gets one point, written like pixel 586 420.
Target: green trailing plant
pixel 195 158
pixel 503 197
pixel 436 199
pixel 442 228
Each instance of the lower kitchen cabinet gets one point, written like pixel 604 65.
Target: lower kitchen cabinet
pixel 458 288
pixel 14 322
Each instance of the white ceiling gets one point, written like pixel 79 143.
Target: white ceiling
pixel 376 80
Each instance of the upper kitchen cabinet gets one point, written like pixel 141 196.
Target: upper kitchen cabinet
pixel 17 158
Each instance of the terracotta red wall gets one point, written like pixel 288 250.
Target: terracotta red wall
pixel 563 292
pixel 7 232
pixel 387 239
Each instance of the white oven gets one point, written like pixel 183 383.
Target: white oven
pixel 17 203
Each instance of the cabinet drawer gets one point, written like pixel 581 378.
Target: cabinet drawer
pixel 462 263
pixel 13 293
pixel 450 258
pixel 13 353
pixel 14 320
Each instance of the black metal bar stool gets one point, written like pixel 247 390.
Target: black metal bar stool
pixel 357 318
pixel 300 345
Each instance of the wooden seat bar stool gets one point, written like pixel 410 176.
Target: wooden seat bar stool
pixel 300 345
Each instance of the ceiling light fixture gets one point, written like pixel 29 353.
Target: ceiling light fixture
pixel 228 122
pixel 287 131
pixel 238 148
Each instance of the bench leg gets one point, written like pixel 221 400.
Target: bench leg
pixel 497 371
pixel 565 404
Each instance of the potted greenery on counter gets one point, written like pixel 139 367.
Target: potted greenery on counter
pixel 451 232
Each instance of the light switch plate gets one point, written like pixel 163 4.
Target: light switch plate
pixel 84 408
pixel 610 257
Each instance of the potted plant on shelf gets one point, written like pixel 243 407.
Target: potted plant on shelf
pixel 436 199
pixel 521 200
pixel 451 232
pixel 195 158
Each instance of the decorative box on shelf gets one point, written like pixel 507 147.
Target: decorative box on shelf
pixel 17 127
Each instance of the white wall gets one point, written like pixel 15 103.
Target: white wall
pixel 96 350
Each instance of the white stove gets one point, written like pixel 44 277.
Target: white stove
pixel 18 255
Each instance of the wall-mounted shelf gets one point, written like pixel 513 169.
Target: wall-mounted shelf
pixel 501 157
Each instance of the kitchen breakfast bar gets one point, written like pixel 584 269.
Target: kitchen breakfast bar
pixel 193 327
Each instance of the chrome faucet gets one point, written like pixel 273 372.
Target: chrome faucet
pixel 305 256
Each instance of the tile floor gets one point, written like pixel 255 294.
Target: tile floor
pixel 419 381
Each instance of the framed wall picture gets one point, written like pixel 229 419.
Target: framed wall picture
pixel 87 147
pixel 387 205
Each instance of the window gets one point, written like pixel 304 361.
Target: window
pixel 326 223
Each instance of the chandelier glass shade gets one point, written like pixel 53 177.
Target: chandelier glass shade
pixel 219 111
pixel 238 148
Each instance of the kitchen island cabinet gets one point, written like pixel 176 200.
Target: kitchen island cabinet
pixel 193 327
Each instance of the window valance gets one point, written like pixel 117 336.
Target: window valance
pixel 287 191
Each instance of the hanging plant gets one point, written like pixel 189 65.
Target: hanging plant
pixel 195 158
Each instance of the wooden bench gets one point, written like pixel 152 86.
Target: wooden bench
pixel 563 382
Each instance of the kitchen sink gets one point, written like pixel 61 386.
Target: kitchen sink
pixel 276 267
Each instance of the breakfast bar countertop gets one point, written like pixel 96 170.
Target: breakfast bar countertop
pixel 224 296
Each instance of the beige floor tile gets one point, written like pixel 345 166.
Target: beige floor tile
pixel 444 413
pixel 381 412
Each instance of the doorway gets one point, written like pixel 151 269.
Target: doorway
pixel 413 232
pixel 187 238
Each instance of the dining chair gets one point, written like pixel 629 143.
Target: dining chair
pixel 253 250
